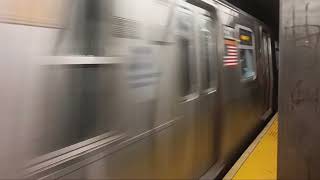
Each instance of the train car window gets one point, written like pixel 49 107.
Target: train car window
pixel 207 54
pixel 185 52
pixel 247 53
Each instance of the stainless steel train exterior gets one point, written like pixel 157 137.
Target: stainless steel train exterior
pixel 132 89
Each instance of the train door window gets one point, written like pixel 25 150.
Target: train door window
pixel 270 68
pixel 247 53
pixel 184 36
pixel 265 49
pixel 207 54
pixel 270 52
pixel 246 58
pixel 268 65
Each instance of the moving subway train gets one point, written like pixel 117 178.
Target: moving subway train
pixel 130 89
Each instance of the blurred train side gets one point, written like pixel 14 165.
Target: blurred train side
pixel 129 89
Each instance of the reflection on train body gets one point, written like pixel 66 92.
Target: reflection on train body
pixel 129 88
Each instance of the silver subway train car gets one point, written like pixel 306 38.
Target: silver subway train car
pixel 133 89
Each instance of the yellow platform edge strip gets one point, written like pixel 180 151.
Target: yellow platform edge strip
pixel 259 160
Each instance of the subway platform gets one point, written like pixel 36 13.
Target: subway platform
pixel 259 161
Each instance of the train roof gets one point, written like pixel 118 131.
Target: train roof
pixel 238 10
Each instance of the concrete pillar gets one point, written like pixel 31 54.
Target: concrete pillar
pixel 299 94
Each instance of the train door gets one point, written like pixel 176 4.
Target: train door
pixel 207 56
pixel 187 94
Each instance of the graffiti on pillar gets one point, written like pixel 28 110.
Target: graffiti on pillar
pixel 304 95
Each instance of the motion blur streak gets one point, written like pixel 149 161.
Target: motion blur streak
pixel 128 88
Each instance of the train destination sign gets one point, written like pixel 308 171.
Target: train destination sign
pixel 245 37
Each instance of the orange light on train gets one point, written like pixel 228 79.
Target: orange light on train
pixel 245 38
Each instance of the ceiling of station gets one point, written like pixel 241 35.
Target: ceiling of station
pixel 265 10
